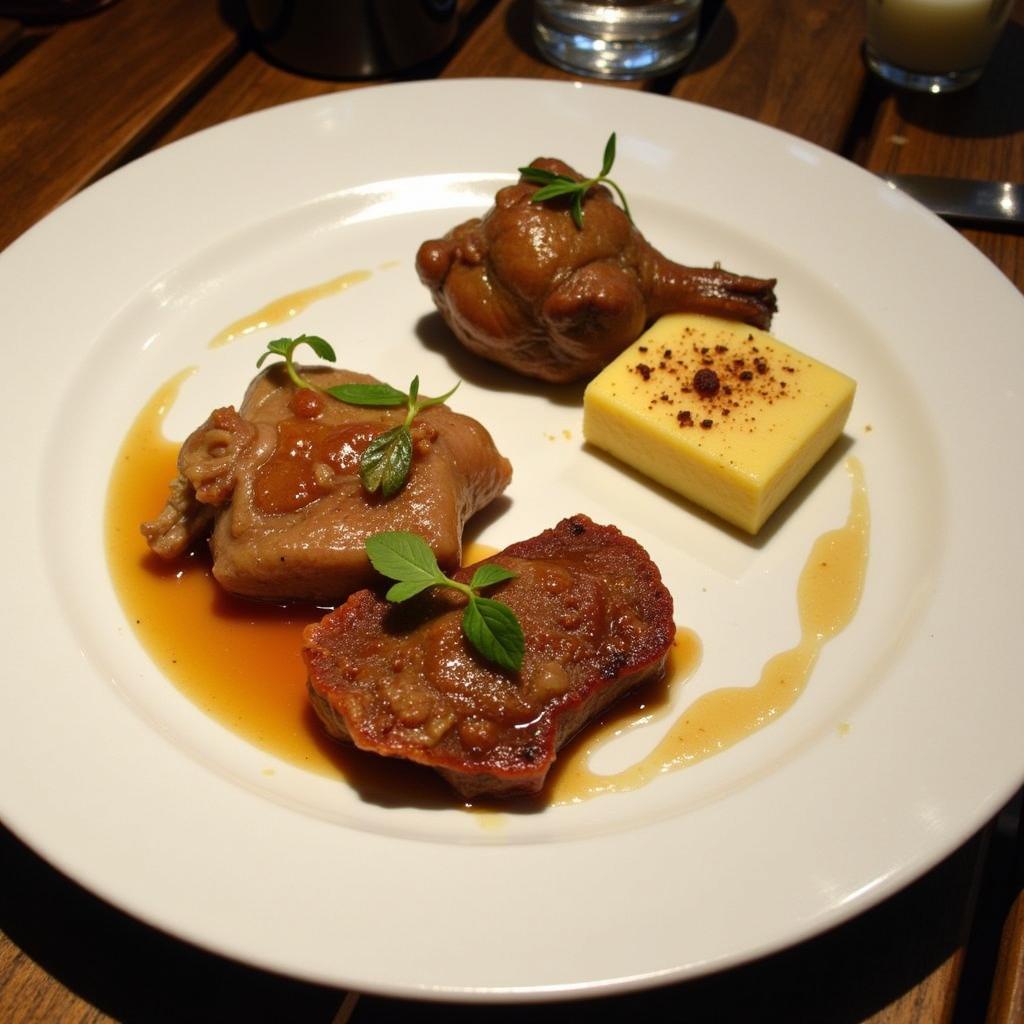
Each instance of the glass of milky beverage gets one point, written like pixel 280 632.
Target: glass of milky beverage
pixel 933 45
pixel 624 39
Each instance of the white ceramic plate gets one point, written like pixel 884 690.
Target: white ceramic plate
pixel 906 740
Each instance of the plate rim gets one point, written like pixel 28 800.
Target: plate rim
pixel 126 177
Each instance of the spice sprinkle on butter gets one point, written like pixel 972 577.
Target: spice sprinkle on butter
pixel 727 415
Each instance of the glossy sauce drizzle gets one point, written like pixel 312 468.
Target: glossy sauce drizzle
pixel 239 660
pixel 289 479
pixel 828 593
pixel 287 306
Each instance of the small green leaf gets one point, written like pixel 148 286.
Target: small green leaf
pixel 367 394
pixel 555 185
pixel 493 629
pixel 414 390
pixel 488 574
pixel 554 190
pixel 403 556
pixel 318 345
pixel 281 346
pixel 609 156
pixel 537 175
pixel 622 199
pixel 577 210
pixel 426 403
pixel 385 464
pixel 490 626
pixel 285 347
pixel 408 588
pixel 277 347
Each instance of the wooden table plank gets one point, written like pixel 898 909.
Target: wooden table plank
pixel 31 995
pixel 74 106
pixel 931 1001
pixel 797 68
pixel 252 84
pixel 256 83
pixel 1006 1003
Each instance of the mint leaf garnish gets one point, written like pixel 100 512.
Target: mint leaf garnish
pixel 285 348
pixel 493 629
pixel 367 394
pixel 489 625
pixel 384 465
pixel 488 574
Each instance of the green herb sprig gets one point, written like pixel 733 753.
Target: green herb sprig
pixel 555 185
pixel 285 348
pixel 489 625
pixel 384 465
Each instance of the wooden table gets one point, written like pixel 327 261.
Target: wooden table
pixel 80 97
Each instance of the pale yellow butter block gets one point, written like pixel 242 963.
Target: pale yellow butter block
pixel 724 414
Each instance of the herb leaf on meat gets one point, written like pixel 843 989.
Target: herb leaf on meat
pixel 285 348
pixel 385 464
pixel 488 574
pixel 489 625
pixel 367 394
pixel 553 185
pixel 493 629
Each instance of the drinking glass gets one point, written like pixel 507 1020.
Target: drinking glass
pixel 624 39
pixel 933 45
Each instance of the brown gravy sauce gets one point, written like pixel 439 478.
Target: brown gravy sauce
pixel 288 480
pixel 828 593
pixel 287 306
pixel 239 660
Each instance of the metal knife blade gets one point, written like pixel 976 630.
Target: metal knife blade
pixel 962 200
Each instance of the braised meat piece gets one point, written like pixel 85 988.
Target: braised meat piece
pixel 525 287
pixel 279 482
pixel 402 681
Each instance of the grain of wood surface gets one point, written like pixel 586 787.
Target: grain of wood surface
pixel 795 69
pixel 79 102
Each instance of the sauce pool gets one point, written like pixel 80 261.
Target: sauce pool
pixel 240 661
pixel 828 593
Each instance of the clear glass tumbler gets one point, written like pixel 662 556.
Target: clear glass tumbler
pixel 624 39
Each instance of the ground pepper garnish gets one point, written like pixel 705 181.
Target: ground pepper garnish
pixel 718 381
pixel 706 383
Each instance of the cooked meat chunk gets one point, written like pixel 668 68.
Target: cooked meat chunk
pixel 402 681
pixel 524 287
pixel 279 479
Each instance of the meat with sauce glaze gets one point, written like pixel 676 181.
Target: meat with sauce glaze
pixel 525 287
pixel 278 483
pixel 402 681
